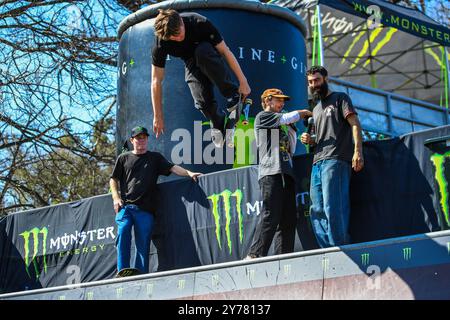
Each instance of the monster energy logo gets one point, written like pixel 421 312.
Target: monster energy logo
pixel 251 274
pixel 35 232
pixel 438 161
pixel 325 264
pixel 150 289
pixel 226 195
pixel 181 284
pixel 407 254
pixel 365 258
pixel 287 270
pixel 215 280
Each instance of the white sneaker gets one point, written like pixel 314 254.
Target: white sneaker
pixel 217 138
pixel 229 138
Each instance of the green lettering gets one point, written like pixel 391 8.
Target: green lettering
pixel 415 27
pixel 405 23
pixel 77 251
pixel 358 7
pixel 395 20
pixel 85 250
pixel 424 30
pixel 94 248
pixel 439 35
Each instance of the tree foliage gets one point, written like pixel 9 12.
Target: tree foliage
pixel 57 100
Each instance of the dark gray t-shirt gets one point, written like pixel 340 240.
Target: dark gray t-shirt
pixel 137 175
pixel 274 144
pixel 334 134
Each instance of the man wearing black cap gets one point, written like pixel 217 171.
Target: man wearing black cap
pixel 136 172
pixel 276 140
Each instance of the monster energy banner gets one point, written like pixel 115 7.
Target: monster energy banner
pixel 378 44
pixel 403 190
pixel 59 245
pixel 405 19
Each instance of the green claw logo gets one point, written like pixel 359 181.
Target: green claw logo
pixel 226 195
pixel 438 161
pixel 407 253
pixel 37 242
pixel 365 259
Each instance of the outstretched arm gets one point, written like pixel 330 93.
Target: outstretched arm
pixel 223 49
pixel 156 90
pixel 184 173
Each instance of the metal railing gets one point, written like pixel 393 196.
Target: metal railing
pixel 390 114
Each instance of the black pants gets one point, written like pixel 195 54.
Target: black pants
pixel 279 214
pixel 206 69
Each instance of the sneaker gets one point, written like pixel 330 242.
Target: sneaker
pixel 233 102
pixel 250 256
pixel 217 138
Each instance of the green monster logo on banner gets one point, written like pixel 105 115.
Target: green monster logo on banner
pixel 438 161
pixel 226 195
pixel 35 232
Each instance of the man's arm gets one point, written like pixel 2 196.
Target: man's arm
pixel 184 173
pixel 117 201
pixel 358 159
pixel 295 116
pixel 156 90
pixel 223 49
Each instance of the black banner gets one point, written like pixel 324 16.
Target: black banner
pixel 402 190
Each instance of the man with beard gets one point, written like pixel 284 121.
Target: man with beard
pixel 335 154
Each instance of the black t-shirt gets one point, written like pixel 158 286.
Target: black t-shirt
pixel 198 29
pixel 275 144
pixel 334 133
pixel 137 176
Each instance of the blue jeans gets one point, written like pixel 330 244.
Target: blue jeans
pixel 127 217
pixel 330 202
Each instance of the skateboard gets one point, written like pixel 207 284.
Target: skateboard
pixel 233 120
pixel 127 272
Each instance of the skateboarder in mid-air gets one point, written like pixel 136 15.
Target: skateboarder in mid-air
pixel 136 172
pixel 208 62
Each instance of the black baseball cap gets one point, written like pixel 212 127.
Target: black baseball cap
pixel 138 130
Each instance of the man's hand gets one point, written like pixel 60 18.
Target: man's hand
pixel 118 203
pixel 244 89
pixel 357 161
pixel 305 113
pixel 306 138
pixel 193 175
pixel 158 126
